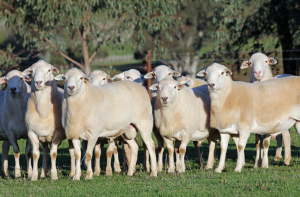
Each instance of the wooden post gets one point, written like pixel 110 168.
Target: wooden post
pixel 148 70
pixel 232 70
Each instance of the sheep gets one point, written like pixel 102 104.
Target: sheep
pixel 159 73
pixel 260 71
pixel 182 114
pixel 236 109
pixel 189 82
pixel 84 99
pixel 43 117
pixel 130 75
pixel 98 78
pixel 12 127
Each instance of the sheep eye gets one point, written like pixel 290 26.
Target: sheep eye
pixel 81 78
pixel 49 70
pixel 128 77
pixel 174 87
pixel 266 61
pixel 103 78
pixel 222 73
pixel 169 73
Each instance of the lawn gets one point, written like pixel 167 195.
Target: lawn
pixel 277 180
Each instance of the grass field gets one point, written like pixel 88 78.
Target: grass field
pixel 277 180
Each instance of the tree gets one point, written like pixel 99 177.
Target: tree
pixel 237 24
pixel 101 22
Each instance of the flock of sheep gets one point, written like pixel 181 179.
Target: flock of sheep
pixel 95 109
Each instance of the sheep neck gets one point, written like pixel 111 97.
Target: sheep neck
pixel 45 98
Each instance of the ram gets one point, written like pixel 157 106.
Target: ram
pixel 43 117
pixel 236 108
pixel 82 99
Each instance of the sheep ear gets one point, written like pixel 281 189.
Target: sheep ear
pixel 119 76
pixel 59 77
pixel 272 61
pixel 201 73
pixel 153 87
pixel 109 79
pixel 149 75
pixel 3 80
pixel 54 69
pixel 176 74
pixel 228 72
pixel 181 86
pixel 86 79
pixel 245 64
pixel 27 78
pixel 188 83
pixel 27 71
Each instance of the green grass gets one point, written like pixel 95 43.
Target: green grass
pixel 277 180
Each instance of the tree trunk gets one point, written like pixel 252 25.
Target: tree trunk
pixel 85 52
pixel 285 37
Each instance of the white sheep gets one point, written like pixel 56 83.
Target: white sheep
pixel 159 73
pixel 12 128
pixel 43 117
pixel 82 99
pixel 182 114
pixel 191 82
pixel 236 108
pixel 130 75
pixel 260 71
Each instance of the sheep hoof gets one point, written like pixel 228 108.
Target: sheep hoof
pixel 287 161
pixel 72 174
pixel 277 158
pixel 76 178
pixel 218 170
pixel 97 172
pixel 108 172
pixel 153 174
pixel 33 178
pixel 238 170
pixel 17 174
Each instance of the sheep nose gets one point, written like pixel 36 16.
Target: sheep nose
pixel 257 72
pixel 38 82
pixel 164 99
pixel 13 90
pixel 71 87
pixel 211 85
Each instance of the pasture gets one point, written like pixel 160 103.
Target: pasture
pixel 277 180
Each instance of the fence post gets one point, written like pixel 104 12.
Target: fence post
pixel 232 70
pixel 148 70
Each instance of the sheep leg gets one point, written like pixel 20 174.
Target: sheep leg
pixel 278 155
pixel 182 151
pixel 76 144
pixel 235 138
pixel 117 167
pixel 287 147
pixel 134 148
pixel 45 158
pixel 13 141
pixel 146 158
pixel 266 144
pixel 258 150
pixel 89 154
pixel 126 156
pixel 170 146
pixel 200 159
pixel 243 137
pixel 97 151
pixel 72 155
pixel 160 148
pixel 28 157
pixel 223 146
pixel 5 150
pixel 211 155
pixel 36 153
pixel 53 154
pixel 109 153
pixel 84 146
pixel 177 145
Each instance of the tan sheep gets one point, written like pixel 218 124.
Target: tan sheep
pixel 191 82
pixel 236 109
pixel 130 75
pixel 260 71
pixel 82 99
pixel 43 117
pixel 159 73
pixel 12 128
pixel 182 114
